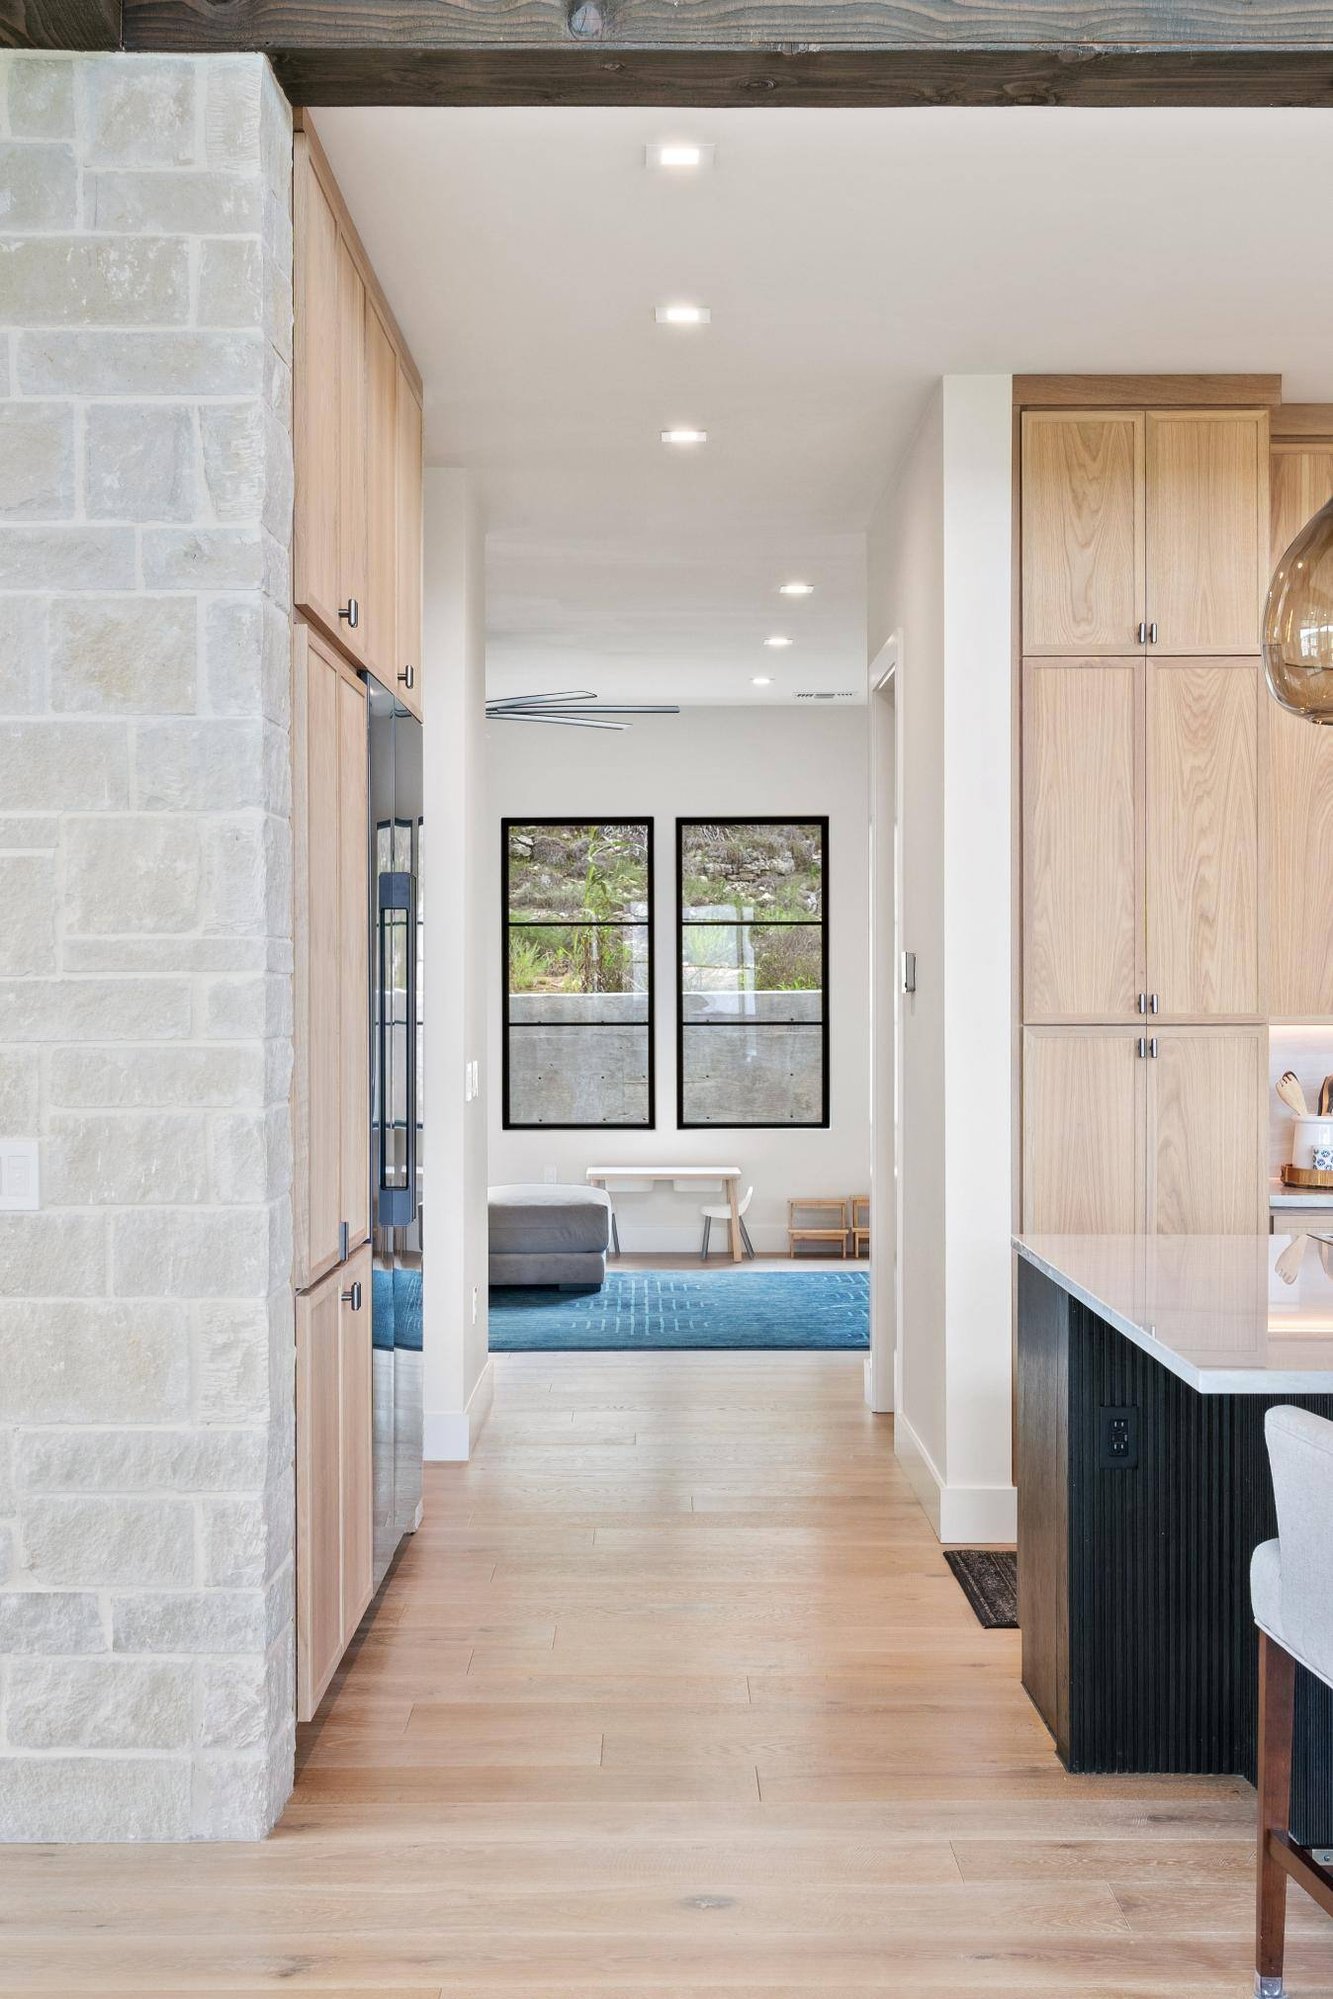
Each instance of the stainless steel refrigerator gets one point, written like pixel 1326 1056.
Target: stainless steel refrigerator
pixel 396 915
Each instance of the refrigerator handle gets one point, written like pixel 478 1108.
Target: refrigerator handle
pixel 397 897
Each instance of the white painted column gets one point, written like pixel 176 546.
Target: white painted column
pixel 460 928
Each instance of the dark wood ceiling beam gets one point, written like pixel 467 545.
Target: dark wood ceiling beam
pixel 59 24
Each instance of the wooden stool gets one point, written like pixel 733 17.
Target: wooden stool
pixel 831 1231
pixel 1291 1589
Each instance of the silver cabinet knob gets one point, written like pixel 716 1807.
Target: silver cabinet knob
pixel 352 1297
pixel 408 676
pixel 351 611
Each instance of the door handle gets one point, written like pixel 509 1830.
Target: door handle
pixel 1152 1047
pixel 1152 633
pixel 351 611
pixel 1143 631
pixel 353 1296
pixel 408 676
pixel 909 971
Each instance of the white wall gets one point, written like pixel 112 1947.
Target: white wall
pixel 458 934
pixel 727 762
pixel 939 574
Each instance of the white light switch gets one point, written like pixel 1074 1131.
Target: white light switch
pixel 19 1186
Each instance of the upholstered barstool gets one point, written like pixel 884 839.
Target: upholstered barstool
pixel 1291 1587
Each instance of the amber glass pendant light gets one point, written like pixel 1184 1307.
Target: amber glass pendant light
pixel 1298 623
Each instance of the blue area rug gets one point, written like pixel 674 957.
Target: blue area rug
pixel 650 1310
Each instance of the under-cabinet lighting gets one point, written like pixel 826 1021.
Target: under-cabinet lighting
pixel 684 436
pixel 796 589
pixel 682 315
pixel 777 640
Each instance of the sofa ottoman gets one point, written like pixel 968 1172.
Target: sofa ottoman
pixel 549 1235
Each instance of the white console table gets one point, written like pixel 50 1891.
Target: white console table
pixel 688 1176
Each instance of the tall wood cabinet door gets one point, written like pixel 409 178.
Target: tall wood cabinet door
pixel 1083 1131
pixel 381 607
pixel 408 484
pixel 1203 837
pixel 1082 530
pixel 355 1441
pixel 1207 529
pixel 1299 842
pixel 318 1074
pixel 1082 845
pixel 353 454
pixel 353 963
pixel 319 1519
pixel 315 555
pixel 1207 1093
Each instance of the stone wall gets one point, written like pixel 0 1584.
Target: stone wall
pixel 145 956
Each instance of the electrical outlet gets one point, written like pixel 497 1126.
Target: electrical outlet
pixel 1117 1439
pixel 549 1175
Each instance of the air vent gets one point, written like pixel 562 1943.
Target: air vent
pixel 841 694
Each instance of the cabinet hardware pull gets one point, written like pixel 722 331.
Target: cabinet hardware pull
pixel 1143 632
pixel 1143 1002
pixel 1154 1003
pixel 344 1240
pixel 1143 1048
pixel 408 676
pixel 351 610
pixel 352 1297
pixel 1152 633
pixel 1152 1047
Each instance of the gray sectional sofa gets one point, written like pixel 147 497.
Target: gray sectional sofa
pixel 549 1235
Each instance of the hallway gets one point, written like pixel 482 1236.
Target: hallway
pixel 673 1694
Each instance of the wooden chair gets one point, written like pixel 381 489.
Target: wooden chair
pixel 1291 1589
pixel 860 1206
pixel 834 1230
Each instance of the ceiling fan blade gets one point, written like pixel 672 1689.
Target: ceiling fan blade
pixel 544 715
pixel 538 700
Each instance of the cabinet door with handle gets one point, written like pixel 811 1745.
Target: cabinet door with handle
pixel 353 963
pixel 1083 1131
pixel 1082 531
pixel 1203 837
pixel 353 456
pixel 1082 844
pixel 1207 529
pixel 1207 1092
pixel 333 1472
pixel 315 360
pixel 407 681
pixel 381 607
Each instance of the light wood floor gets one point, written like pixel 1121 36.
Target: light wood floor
pixel 672 1695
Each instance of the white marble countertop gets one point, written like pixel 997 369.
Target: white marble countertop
pixel 1231 1315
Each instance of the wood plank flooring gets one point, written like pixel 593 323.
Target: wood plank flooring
pixel 672 1695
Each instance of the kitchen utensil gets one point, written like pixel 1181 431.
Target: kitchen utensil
pixel 1288 1265
pixel 1291 1093
pixel 1326 1097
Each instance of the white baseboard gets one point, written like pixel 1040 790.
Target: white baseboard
pixel 450 1435
pixel 958 1513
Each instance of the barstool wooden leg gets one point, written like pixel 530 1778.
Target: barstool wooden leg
pixel 1277 1685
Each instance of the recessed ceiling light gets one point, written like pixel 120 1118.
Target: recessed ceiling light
pixel 777 640
pixel 761 680
pixel 682 315
pixel 684 437
pixel 796 589
pixel 679 156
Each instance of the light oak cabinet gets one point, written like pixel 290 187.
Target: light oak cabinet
pixel 334 1580
pixel 1141 839
pixel 1300 784
pixel 1125 1131
pixel 1144 529
pixel 331 1074
pixel 356 442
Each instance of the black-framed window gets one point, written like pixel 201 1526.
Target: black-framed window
pixel 752 968
pixel 578 987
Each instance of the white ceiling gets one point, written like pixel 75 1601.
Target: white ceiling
pixel 849 259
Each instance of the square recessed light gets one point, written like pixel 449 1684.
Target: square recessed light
pixel 678 156
pixel 682 315
pixel 796 589
pixel 761 680
pixel 684 436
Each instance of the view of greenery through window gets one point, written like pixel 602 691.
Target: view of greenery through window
pixel 752 960
pixel 578 1007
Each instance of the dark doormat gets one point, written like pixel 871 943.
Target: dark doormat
pixel 989 1581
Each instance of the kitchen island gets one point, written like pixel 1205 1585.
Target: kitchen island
pixel 1145 1366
